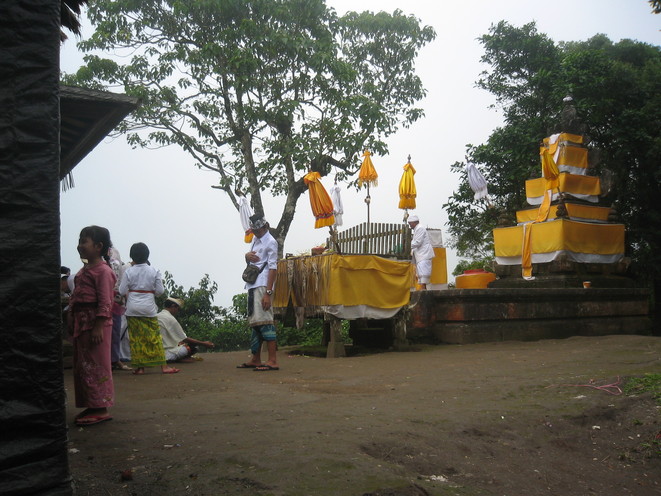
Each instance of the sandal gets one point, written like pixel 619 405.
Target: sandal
pixel 92 419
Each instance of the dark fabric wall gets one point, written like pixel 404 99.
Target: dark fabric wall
pixel 33 452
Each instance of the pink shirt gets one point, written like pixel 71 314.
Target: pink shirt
pixel 92 296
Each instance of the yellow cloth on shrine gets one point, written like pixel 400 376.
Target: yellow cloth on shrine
pixel 574 138
pixel 561 234
pixel 347 280
pixel 439 266
pixel 542 215
pixel 574 210
pixel 573 156
pixel 567 183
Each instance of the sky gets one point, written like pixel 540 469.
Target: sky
pixel 159 197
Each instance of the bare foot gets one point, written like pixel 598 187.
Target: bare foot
pixel 169 370
pixel 139 371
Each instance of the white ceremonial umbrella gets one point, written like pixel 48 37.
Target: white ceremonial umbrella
pixel 338 209
pixel 245 212
pixel 477 182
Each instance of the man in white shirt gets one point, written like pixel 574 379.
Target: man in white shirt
pixel 421 251
pixel 178 347
pixel 264 255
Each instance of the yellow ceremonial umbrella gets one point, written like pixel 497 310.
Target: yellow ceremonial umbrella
pixel 367 175
pixel 407 192
pixel 321 203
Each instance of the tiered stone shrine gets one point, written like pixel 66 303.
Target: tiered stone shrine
pixel 566 238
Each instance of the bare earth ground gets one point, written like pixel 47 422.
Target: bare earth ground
pixel 505 419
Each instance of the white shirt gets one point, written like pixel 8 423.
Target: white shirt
pixel 266 248
pixel 171 330
pixel 138 279
pixel 421 247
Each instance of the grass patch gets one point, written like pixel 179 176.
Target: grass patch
pixel 649 383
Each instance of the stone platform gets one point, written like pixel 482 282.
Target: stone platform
pixel 462 316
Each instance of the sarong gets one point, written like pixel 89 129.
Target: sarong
pixel 257 316
pixel 146 342
pixel 91 370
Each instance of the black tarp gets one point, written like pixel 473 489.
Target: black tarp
pixel 33 454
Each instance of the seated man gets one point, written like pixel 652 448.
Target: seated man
pixel 178 346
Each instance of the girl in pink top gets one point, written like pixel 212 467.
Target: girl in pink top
pixel 90 323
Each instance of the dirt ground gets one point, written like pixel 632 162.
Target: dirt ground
pixel 501 419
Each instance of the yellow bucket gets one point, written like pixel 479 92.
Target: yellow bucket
pixel 474 279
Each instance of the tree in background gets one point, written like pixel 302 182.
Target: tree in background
pixel 523 79
pixel 617 95
pixel 199 315
pixel 656 6
pixel 259 92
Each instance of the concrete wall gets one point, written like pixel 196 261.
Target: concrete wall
pixel 464 316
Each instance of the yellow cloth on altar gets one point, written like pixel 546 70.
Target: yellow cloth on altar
pixel 349 280
pixel 561 234
pixel 567 183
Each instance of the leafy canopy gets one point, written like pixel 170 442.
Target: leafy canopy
pixel 616 91
pixel 259 91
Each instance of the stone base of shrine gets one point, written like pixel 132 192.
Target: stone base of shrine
pixel 463 316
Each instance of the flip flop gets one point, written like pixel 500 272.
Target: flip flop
pixel 247 366
pixel 92 420
pixel 82 413
pixel 171 371
pixel 265 368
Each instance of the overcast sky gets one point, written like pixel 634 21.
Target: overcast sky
pixel 160 197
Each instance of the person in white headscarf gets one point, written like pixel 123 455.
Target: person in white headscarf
pixel 264 255
pixel 421 251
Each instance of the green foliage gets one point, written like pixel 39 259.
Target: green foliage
pixel 202 320
pixel 227 328
pixel 649 383
pixel 311 334
pixel 464 265
pixel 259 92
pixel 616 94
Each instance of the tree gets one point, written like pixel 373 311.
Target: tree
pixel 523 80
pixel 615 87
pixel 656 6
pixel 262 91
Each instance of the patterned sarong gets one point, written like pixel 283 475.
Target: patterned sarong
pixel 146 342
